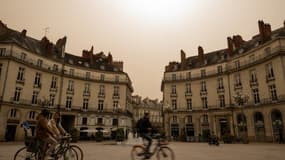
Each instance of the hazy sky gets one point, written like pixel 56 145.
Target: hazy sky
pixel 145 34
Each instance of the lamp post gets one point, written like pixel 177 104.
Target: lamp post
pixel 241 100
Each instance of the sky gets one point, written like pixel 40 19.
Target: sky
pixel 145 34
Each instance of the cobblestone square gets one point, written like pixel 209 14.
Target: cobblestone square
pixel 183 151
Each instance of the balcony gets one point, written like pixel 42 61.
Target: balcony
pixel 116 96
pixel 101 95
pixel 38 86
pixel 237 86
pixel 20 81
pixel 253 83
pixel 203 92
pixel 86 94
pixel 173 94
pixel 270 78
pixel 220 89
pixel 188 94
pixel 70 91
pixel 53 89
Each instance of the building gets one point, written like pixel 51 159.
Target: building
pixel 90 91
pixel 200 93
pixel 153 107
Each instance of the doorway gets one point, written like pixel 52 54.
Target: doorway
pixel 67 122
pixel 10 132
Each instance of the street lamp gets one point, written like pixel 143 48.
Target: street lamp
pixel 241 100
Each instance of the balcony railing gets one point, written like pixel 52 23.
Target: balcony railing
pixel 20 81
pixel 253 83
pixel 188 94
pixel 116 96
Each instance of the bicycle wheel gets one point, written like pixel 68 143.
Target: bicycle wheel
pixel 165 153
pixel 78 151
pixel 137 153
pixel 23 154
pixel 69 154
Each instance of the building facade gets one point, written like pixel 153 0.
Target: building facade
pixel 90 91
pixel 153 107
pixel 200 93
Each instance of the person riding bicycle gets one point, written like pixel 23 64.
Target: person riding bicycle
pixel 55 125
pixel 44 132
pixel 144 129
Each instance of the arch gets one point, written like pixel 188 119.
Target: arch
pixel 277 125
pixel 259 126
pixel 241 126
pixel 14 113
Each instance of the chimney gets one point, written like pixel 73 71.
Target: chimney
pixel 230 46
pixel 183 59
pixel 267 31
pixel 24 33
pixel 264 31
pixel 110 58
pixel 237 41
pixel 261 29
pixel 119 65
pixel 91 55
pixel 201 55
pixel 60 46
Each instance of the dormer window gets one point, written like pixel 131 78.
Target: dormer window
pixel 79 62
pixel 102 67
pixel 86 64
pixel 240 51
pixel 70 61
pixel 256 44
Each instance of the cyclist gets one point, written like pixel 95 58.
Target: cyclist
pixel 144 128
pixel 44 132
pixel 55 125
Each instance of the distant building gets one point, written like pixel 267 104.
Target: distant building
pixel 90 91
pixel 199 91
pixel 153 107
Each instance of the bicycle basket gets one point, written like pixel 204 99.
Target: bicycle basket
pixel 31 144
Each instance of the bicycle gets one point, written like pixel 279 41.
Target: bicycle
pixel 161 150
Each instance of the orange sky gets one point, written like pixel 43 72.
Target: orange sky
pixel 145 34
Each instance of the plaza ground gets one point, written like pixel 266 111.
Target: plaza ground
pixel 183 151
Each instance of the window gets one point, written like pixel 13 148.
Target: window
pixel 237 64
pixel 189 104
pixel 174 104
pixel 115 105
pixel 23 56
pixel 17 94
pixel 256 96
pixel 173 89
pixel 102 77
pixel 88 75
pixel 116 90
pixel 1 65
pixel 204 102
pixel 39 62
pixel 174 77
pixel 13 113
pixel 188 75
pixel 35 97
pixel 188 88
pixel 70 86
pixel 273 92
pixel 189 119
pixel 20 76
pixel 203 73
pixel 100 105
pixel 220 69
pixel 115 122
pixel 101 90
pixel 2 51
pixel 85 103
pixel 71 72
pixel 174 119
pixel 220 83
pixel 253 77
pixel 84 120
pixel 269 71
pixel 51 99
pixel 221 101
pixel 37 79
pixel 100 121
pixel 203 86
pixel 68 102
pixel 32 115
pixel 86 88
pixel 53 82
pixel 237 80
pixel 55 67
pixel 205 118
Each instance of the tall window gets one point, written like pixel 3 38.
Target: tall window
pixel 237 80
pixel 68 102
pixel 273 92
pixel 37 79
pixel 203 86
pixel 204 102
pixel 100 121
pixel 102 90
pixel 220 69
pixel 84 120
pixel 174 104
pixel 269 71
pixel 21 72
pixel 70 86
pixel 35 97
pixel 116 90
pixel 39 62
pixel 203 73
pixel 13 113
pixel 189 104
pixel 173 89
pixel 85 103
pixel 220 83
pixel 222 101
pixel 253 77
pixel 100 105
pixel 53 82
pixel 51 99
pixel 256 96
pixel 2 51
pixel 17 94
pixel 237 64
pixel 115 122
pixel 71 72
pixel 189 119
pixel 86 88
pixel 32 115
pixel 188 88
pixel 115 105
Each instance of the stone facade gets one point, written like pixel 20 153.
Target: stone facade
pixel 199 91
